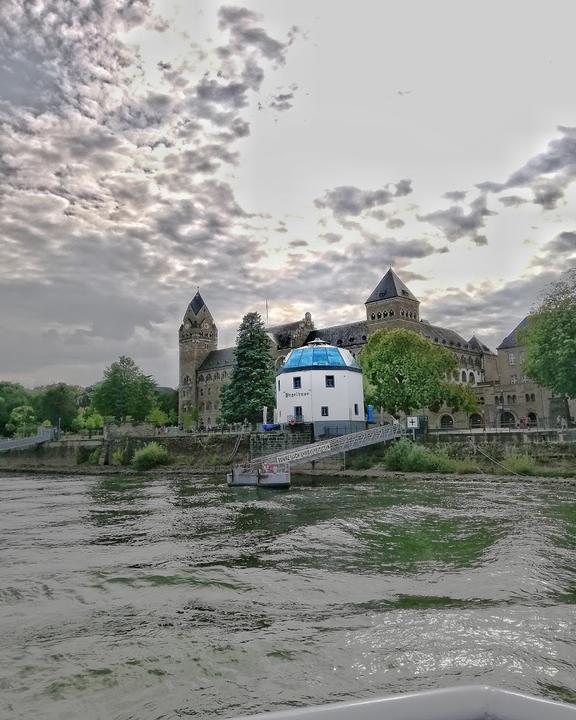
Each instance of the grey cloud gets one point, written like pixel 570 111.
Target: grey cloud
pixel 331 238
pixel 395 223
pixel 512 200
pixel 349 201
pixel 455 195
pixel 547 174
pixel 242 25
pixel 455 223
pixel 298 243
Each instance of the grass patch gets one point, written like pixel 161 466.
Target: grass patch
pixel 521 464
pixel 120 456
pixel 406 456
pixel 150 456
pixel 94 457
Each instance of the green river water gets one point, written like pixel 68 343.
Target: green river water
pixel 148 598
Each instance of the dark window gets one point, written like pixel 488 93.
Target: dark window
pixel 324 411
pixel 298 412
pixel 330 381
pixel 278 384
pixel 296 383
pixel 355 408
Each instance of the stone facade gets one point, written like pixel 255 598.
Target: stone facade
pixel 506 397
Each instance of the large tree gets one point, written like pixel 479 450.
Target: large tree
pixel 22 421
pixel 252 383
pixel 550 338
pixel 125 393
pixel 405 372
pixel 58 403
pixel 12 395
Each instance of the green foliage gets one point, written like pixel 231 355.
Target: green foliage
pixel 87 419
pixel 151 455
pixel 119 456
pixel 12 395
pixel 522 464
pixel 94 457
pixel 404 371
pixel 167 400
pixel 82 455
pixel 252 383
pixel 406 456
pixel 125 392
pixel 22 421
pixel 58 402
pixel 157 416
pixel 550 339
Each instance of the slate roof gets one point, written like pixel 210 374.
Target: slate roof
pixel 390 287
pixel 511 340
pixel 217 359
pixel 342 335
pixel 197 303
pixel 282 334
pixel 476 344
pixel 443 336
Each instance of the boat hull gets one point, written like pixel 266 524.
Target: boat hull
pixel 476 702
pixel 267 475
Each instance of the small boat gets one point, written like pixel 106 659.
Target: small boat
pixel 473 702
pixel 269 475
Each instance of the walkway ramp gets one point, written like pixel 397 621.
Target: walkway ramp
pixel 43 435
pixel 334 446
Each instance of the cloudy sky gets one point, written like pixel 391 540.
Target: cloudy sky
pixel 277 150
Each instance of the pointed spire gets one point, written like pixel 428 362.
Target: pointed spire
pixel 197 303
pixel 390 287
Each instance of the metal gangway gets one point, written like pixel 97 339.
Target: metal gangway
pixel 334 446
pixel 43 435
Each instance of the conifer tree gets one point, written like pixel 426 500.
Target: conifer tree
pixel 252 384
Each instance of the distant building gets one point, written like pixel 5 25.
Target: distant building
pixel 505 395
pixel 322 385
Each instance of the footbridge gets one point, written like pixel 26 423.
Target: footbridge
pixel 274 470
pixel 43 435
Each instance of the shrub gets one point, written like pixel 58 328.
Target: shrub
pixel 406 456
pixel 94 457
pixel 119 456
pixel 150 456
pixel 82 455
pixel 521 464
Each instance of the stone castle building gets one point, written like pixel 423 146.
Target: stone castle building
pixel 505 395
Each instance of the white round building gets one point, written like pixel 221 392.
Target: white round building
pixel 321 384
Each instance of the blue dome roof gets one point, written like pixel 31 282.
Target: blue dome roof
pixel 319 356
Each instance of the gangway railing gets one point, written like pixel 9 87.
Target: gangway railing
pixel 334 446
pixel 43 435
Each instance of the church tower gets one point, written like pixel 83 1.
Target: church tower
pixel 197 337
pixel 392 305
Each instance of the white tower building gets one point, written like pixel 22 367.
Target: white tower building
pixel 321 384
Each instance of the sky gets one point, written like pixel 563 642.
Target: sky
pixel 279 153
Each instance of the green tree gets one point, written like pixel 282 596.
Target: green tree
pixel 12 395
pixel 22 421
pixel 550 338
pixel 252 383
pixel 58 402
pixel 404 372
pixel 167 400
pixel 88 419
pixel 157 416
pixel 125 392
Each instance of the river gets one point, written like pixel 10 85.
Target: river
pixel 151 598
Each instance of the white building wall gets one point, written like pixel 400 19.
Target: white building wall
pixel 313 395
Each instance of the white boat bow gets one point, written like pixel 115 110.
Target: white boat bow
pixel 470 702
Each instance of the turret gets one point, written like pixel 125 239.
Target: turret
pixel 197 336
pixel 391 304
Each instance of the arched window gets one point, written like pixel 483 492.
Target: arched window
pixel 508 419
pixel 446 422
pixel 463 376
pixel 391 313
pixel 527 397
pixel 373 316
pixel 471 379
pixel 533 397
pixel 532 419
pixel 385 313
pixel 379 316
pixel 200 378
pixel 402 312
pixel 475 420
pixel 208 378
